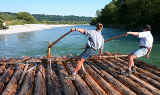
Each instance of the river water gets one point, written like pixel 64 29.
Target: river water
pixel 36 43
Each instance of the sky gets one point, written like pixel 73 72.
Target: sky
pixel 54 7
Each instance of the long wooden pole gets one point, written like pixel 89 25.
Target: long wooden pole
pixel 115 37
pixel 53 43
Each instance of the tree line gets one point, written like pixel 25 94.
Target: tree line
pixel 130 14
pixel 27 18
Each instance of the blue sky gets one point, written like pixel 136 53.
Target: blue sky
pixel 54 7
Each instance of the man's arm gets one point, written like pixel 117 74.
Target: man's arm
pixel 133 33
pixel 148 53
pixel 79 30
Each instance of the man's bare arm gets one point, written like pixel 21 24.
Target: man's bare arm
pixel 79 30
pixel 133 33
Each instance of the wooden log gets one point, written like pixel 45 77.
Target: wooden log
pixel 148 67
pixel 52 82
pixel 100 81
pixel 144 84
pixel 67 85
pixel 115 83
pixel 23 74
pixel 2 68
pixel 125 80
pixel 149 80
pixel 139 63
pixel 40 86
pixel 5 78
pixel 143 77
pixel 145 72
pixel 81 86
pixel 27 86
pixel 13 84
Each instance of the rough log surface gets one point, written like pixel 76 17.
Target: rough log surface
pixel 102 77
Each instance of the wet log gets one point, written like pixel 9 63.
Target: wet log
pixel 67 85
pixel 40 86
pixel 27 86
pixel 13 84
pixel 81 86
pixel 99 81
pixel 5 78
pixel 125 80
pixel 52 82
pixel 115 83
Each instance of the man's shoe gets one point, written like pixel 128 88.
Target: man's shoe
pixel 128 73
pixel 133 69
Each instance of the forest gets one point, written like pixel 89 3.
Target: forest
pixel 131 15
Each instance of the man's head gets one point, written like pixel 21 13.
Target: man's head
pixel 147 28
pixel 99 26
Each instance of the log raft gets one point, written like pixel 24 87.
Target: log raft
pixel 39 76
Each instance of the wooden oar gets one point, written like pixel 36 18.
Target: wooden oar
pixel 52 44
pixel 115 37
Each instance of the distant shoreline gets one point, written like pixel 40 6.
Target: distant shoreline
pixel 29 28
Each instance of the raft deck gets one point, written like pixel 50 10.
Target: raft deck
pixel 36 76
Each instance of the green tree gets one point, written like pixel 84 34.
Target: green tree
pixel 27 17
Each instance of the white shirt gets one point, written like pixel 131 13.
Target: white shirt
pixel 146 39
pixel 95 39
pixel 4 24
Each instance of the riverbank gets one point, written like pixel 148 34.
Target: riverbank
pixel 29 28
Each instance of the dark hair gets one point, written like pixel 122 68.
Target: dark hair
pixel 148 27
pixel 99 26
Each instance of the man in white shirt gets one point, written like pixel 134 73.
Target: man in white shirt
pixel 145 47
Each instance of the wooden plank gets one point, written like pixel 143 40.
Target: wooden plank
pixel 100 81
pixel 13 84
pixel 67 85
pixel 52 82
pixel 27 86
pixel 40 86
pixel 81 86
pixel 115 83
pixel 5 78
